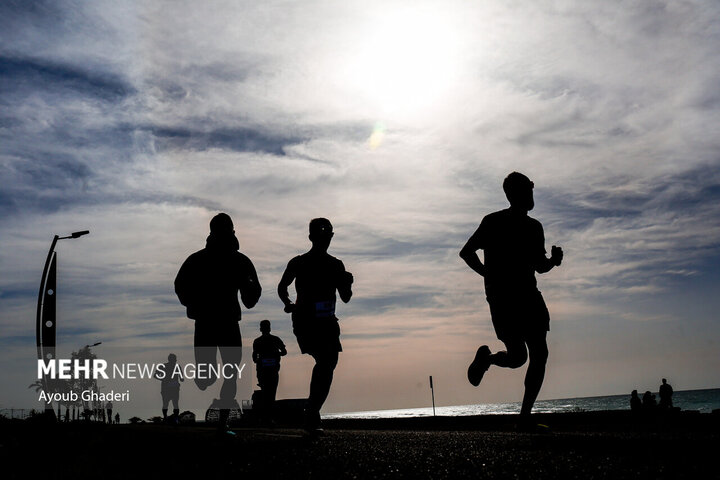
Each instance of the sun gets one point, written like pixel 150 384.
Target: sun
pixel 405 62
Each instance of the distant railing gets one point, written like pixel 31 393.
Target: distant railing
pixel 18 413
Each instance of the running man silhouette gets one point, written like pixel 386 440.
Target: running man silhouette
pixel 317 276
pixel 514 248
pixel 170 387
pixel 208 284
pixel 267 350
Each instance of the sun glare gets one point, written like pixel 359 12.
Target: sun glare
pixel 405 62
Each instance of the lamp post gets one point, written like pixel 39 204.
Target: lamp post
pixel 94 386
pixel 45 321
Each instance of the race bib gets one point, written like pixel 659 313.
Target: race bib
pixel 269 362
pixel 325 309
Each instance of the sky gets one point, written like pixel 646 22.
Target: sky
pixel 398 121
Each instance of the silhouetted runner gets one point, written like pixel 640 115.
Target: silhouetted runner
pixel 267 350
pixel 317 275
pixel 666 393
pixel 109 409
pixel 170 387
pixel 208 284
pixel 117 419
pixel 514 247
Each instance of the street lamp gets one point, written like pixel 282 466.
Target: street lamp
pixel 45 322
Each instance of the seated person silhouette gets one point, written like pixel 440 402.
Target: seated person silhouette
pixel 267 350
pixel 317 276
pixel 208 284
pixel 170 387
pixel 666 393
pixel 514 249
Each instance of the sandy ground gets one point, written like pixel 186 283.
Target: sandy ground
pixel 583 446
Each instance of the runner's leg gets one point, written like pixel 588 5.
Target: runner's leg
pixel 322 376
pixel 165 402
pixel 514 356
pixel 537 345
pixel 231 353
pixel 205 353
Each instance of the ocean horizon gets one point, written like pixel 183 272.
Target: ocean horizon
pixel 702 400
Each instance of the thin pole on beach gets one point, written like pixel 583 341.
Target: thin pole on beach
pixel 432 392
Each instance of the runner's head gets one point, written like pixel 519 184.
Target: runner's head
pixel 265 326
pixel 321 232
pixel 519 191
pixel 172 358
pixel 221 224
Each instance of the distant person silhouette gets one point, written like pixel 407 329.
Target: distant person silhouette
pixel 666 393
pixel 635 402
pixel 170 386
pixel 117 419
pixel 267 350
pixel 109 408
pixel 648 401
pixel 514 248
pixel 208 284
pixel 317 276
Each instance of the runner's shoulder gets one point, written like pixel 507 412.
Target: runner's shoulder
pixel 499 216
pixel 535 224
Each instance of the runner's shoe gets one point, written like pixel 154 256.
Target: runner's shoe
pixel 528 426
pixel 312 424
pixel 479 366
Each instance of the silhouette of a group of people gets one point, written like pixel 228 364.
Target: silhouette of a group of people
pixel 209 281
pixel 208 284
pixel 648 402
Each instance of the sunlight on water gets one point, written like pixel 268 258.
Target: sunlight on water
pixel 704 401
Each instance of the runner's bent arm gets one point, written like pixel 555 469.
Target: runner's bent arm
pixel 183 282
pixel 469 253
pixel 544 264
pixel 345 284
pixel 287 278
pixel 250 288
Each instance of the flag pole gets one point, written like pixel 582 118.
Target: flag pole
pixel 432 392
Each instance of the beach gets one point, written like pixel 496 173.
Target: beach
pixel 579 445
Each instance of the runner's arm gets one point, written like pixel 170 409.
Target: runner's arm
pixel 469 253
pixel 250 289
pixel 545 264
pixel 282 289
pixel 345 284
pixel 183 282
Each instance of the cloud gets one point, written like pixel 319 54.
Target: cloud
pixel 238 139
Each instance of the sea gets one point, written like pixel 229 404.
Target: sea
pixel 704 401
